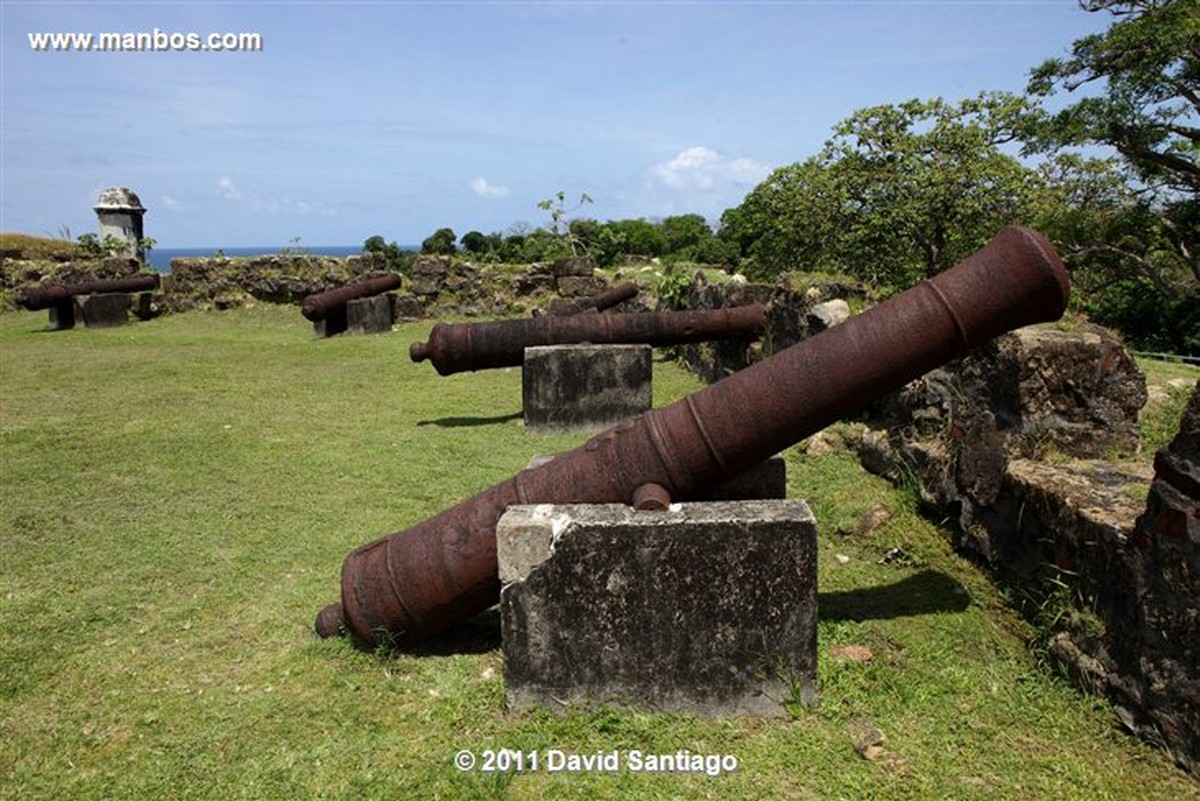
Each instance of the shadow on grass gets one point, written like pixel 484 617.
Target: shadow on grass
pixel 924 593
pixel 927 592
pixel 457 422
pixel 478 635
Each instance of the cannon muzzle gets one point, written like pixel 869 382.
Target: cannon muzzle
pixel 318 306
pixel 415 583
pixel 53 294
pixel 456 347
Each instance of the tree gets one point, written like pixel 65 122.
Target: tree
pixel 899 193
pixel 559 225
pixel 684 231
pixel 475 242
pixel 393 254
pixel 440 242
pixel 637 237
pixel 1139 258
pixel 1149 64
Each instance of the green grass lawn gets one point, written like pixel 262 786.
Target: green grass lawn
pixel 176 499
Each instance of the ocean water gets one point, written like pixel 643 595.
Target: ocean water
pixel 160 258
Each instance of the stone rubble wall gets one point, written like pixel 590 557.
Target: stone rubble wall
pixel 1030 446
pixel 434 286
pixel 18 273
pixel 792 315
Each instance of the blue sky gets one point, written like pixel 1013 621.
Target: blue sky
pixel 397 118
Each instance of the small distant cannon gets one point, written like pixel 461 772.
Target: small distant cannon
pixel 457 347
pixel 600 302
pixel 336 310
pixel 99 303
pixel 412 584
pixel 50 295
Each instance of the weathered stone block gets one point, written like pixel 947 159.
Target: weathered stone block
pixel 531 282
pixel 584 387
pixel 147 306
pixel 102 311
pixel 407 307
pixel 335 323
pixel 573 265
pixel 371 315
pixel 575 286
pixel 62 315
pixel 707 608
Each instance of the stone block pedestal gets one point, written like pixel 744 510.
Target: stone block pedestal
pixel 707 608
pixel 369 315
pixel 332 324
pixel 584 388
pixel 94 311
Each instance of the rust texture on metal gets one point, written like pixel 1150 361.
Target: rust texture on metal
pixel 412 584
pixel 318 306
pixel 457 347
pixel 600 302
pixel 650 497
pixel 53 294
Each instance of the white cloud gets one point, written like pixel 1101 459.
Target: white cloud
pixel 171 203
pixel 267 205
pixel 704 169
pixel 229 189
pixel 286 205
pixel 481 187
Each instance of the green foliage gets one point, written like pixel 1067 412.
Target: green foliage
pixel 684 231
pixel 1148 63
pixel 90 243
pixel 671 287
pixel 1158 422
pixel 113 244
pixel 294 248
pixel 1136 253
pixel 440 242
pixel 637 237
pixel 398 261
pixel 899 193
pixel 37 247
pixel 559 226
pixel 478 244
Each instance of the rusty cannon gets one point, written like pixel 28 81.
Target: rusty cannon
pixel 457 347
pixel 352 306
pixel 600 302
pixel 412 584
pixel 51 295
pixel 320 305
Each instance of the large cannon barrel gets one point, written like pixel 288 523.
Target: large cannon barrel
pixel 415 583
pixel 600 302
pixel 53 294
pixel 317 307
pixel 455 347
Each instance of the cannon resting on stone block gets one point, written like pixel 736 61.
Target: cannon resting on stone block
pixel 456 347
pixel 600 302
pixel 412 584
pixel 51 295
pixel 356 305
